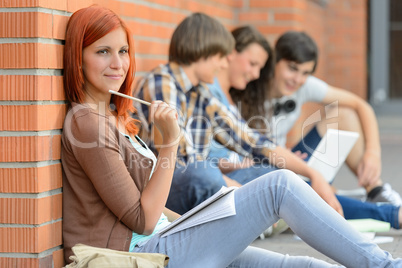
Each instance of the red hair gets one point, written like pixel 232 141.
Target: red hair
pixel 84 27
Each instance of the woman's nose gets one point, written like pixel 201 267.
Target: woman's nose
pixel 116 62
pixel 299 78
pixel 256 73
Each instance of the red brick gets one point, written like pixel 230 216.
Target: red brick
pixel 148 64
pixel 148 30
pixel 186 4
pixel 18 262
pixel 30 210
pixel 113 5
pixel 54 115
pixel 151 13
pixel 277 4
pixel 52 260
pixel 59 26
pixel 278 30
pixel 292 17
pixel 60 5
pixel 253 16
pixel 74 5
pixel 31 117
pixel 31 55
pixel 215 11
pixel 30 148
pixel 58 258
pixel 151 47
pixel 30 240
pixel 30 180
pixel 169 3
pixel 31 88
pixel 25 24
pixel 50 236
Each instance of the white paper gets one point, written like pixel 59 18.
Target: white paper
pixel 218 206
pixel 371 236
pixel 383 239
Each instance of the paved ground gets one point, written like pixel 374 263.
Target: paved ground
pixel 390 122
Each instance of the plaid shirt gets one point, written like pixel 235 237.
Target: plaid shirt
pixel 201 116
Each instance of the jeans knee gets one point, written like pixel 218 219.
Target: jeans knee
pixel 283 173
pixel 282 177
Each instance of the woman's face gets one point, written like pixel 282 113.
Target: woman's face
pixel 245 66
pixel 290 76
pixel 105 63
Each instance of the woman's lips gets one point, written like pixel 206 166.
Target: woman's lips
pixel 290 87
pixel 114 77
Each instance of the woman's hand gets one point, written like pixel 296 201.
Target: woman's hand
pixel 323 189
pixel 165 118
pixel 155 194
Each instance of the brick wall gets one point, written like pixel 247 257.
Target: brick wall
pixel 32 105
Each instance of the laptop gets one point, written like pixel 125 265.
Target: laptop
pixel 332 152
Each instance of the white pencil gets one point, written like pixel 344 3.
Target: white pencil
pixel 129 97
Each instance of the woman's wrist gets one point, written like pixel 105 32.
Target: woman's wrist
pixel 314 175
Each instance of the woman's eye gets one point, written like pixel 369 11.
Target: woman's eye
pixel 104 51
pixel 124 51
pixel 293 68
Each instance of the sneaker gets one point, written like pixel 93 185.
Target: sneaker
pixel 266 233
pixel 275 229
pixel 387 195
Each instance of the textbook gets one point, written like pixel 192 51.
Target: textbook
pixel 218 206
pixel 370 225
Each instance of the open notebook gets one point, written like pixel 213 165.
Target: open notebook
pixel 219 205
pixel 332 152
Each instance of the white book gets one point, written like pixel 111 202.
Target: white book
pixel 218 206
pixel 332 152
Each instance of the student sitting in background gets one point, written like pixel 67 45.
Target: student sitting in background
pixel 245 65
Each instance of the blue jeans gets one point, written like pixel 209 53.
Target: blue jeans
pixel 259 204
pixel 192 184
pixel 308 143
pixel 356 209
pixel 197 181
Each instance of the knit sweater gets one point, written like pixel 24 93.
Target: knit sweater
pixel 103 177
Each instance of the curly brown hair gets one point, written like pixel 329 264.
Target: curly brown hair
pixel 251 101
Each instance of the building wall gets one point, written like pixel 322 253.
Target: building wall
pixel 32 104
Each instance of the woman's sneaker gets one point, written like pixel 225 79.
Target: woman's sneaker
pixel 279 227
pixel 386 195
pixel 266 233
